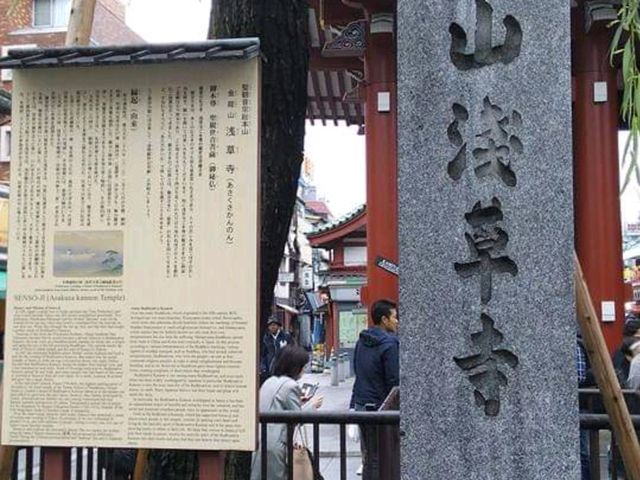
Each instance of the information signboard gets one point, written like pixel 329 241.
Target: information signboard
pixel 132 296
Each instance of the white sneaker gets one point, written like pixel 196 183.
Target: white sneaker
pixel 359 471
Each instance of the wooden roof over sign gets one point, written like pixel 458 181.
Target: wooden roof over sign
pixel 74 56
pixel 336 70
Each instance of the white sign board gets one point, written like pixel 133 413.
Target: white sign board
pixel 608 311
pixel 132 296
pixel 632 229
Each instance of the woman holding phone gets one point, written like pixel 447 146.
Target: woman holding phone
pixel 281 392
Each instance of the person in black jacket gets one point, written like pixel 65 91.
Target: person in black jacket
pixel 377 367
pixel 273 341
pixel 621 357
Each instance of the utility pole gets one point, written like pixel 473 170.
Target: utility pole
pixel 80 22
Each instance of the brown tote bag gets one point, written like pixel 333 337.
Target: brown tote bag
pixel 303 460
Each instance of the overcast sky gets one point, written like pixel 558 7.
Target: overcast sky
pixel 169 20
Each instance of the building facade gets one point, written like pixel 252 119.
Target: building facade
pixel 342 279
pixel 295 296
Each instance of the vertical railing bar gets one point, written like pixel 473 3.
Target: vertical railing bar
pixel 101 464
pixel 263 450
pixel 14 467
pixel 102 470
pixel 290 431
pixel 109 464
pixel 614 456
pixel 40 462
pixel 343 451
pixel 316 447
pixel 28 469
pixel 100 454
pixel 594 454
pixel 78 469
pixel 89 462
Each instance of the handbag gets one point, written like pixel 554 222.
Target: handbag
pixel 303 460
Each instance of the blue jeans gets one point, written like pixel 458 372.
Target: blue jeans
pixel 368 448
pixel 585 466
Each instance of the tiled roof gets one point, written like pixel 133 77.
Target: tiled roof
pixel 231 49
pixel 339 221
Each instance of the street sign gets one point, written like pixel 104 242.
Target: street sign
pixel 387 265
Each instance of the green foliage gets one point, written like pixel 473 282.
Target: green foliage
pixel 625 40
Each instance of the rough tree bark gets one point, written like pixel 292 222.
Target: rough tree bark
pixel 281 26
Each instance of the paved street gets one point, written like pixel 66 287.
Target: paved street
pixel 335 398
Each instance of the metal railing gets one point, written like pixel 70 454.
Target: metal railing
pixel 594 420
pixel 382 427
pixel 84 463
pixel 378 419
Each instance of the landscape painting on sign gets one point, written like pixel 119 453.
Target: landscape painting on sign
pixel 87 254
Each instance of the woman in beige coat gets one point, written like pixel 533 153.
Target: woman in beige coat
pixel 281 392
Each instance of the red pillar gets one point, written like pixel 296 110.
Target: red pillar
pixel 331 328
pixel 381 147
pixel 598 230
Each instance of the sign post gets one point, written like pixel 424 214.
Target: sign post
pixel 133 283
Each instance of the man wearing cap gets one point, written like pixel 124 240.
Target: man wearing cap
pixel 274 340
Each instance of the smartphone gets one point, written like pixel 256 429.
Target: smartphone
pixel 309 390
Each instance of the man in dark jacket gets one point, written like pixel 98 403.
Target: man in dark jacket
pixel 274 340
pixel 377 367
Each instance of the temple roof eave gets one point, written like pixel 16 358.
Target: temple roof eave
pixel 341 228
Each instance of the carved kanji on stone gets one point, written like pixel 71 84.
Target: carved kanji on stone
pixel 486 244
pixel 459 164
pixel 483 367
pixel 485 52
pixel 501 144
pixel 496 145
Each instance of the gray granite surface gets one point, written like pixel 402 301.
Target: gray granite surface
pixel 488 121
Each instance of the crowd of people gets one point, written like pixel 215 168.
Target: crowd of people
pixel 626 363
pixel 376 365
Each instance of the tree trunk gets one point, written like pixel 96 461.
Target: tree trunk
pixel 281 26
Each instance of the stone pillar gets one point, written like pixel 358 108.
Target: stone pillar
pixel 488 371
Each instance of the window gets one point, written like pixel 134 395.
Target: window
pixel 51 13
pixel 355 256
pixel 5 143
pixel 5 74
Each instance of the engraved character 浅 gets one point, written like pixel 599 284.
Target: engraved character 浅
pixel 500 144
